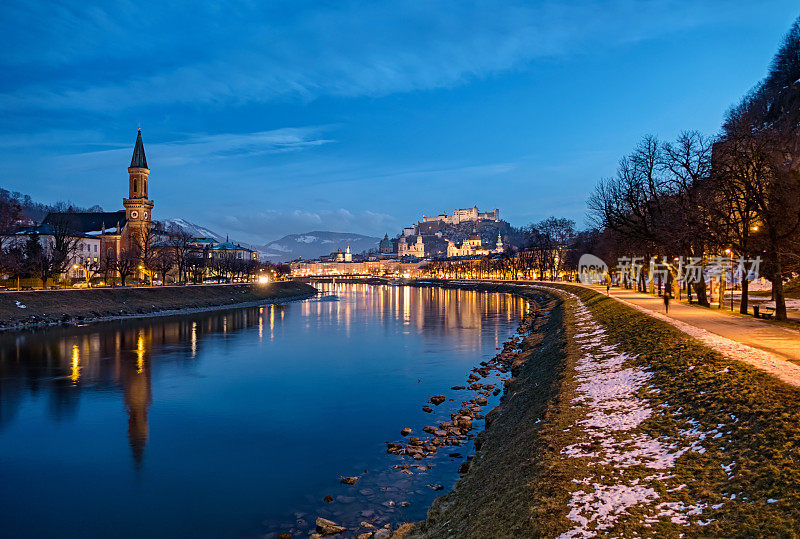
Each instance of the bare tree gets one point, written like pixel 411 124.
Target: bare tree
pixel 126 263
pixel 91 268
pixel 163 262
pixel 690 223
pixel 10 212
pixel 143 242
pixel 180 241
pixel 54 252
pixel 12 262
pixel 108 265
pixel 759 170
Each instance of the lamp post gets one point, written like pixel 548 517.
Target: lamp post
pixel 85 267
pixel 147 272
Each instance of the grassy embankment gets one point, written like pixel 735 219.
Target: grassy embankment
pixel 521 484
pixel 47 307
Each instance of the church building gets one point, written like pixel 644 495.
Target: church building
pixel 416 249
pixel 473 246
pixel 100 236
pixel 120 230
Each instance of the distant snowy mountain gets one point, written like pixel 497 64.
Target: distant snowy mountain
pixel 198 231
pixel 315 244
pixel 291 247
pixel 193 229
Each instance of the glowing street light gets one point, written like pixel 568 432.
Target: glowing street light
pixel 148 273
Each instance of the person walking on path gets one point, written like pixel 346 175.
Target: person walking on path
pixel 667 294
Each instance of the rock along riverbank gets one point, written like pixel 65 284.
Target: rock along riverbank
pixel 420 449
pixel 41 308
pixel 617 424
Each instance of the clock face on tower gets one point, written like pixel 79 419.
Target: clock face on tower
pixel 134 214
pixel 145 215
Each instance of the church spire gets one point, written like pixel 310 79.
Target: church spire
pixel 138 160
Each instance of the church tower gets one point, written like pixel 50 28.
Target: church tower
pixel 138 207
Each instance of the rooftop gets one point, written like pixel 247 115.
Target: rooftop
pixel 84 222
pixel 138 160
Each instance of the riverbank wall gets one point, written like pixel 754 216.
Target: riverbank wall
pixel 40 308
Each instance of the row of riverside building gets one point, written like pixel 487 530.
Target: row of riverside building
pixel 434 237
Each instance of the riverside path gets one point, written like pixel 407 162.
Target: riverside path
pixel 768 346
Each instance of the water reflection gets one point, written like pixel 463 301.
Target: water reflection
pixel 65 362
pixel 286 395
pixel 444 311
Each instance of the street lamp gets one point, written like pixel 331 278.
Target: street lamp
pixel 147 272
pixel 85 267
pixel 722 285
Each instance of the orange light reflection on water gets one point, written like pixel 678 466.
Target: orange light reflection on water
pixel 76 368
pixel 140 354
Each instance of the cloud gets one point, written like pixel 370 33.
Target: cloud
pixel 229 145
pixel 112 56
pixel 53 138
pixel 196 148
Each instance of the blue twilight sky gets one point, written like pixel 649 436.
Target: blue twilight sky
pixel 265 118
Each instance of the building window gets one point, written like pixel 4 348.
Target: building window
pixel 134 186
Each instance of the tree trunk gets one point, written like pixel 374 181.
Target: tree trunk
pixel 777 277
pixel 702 298
pixel 745 288
pixel 780 300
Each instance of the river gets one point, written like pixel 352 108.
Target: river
pixel 238 423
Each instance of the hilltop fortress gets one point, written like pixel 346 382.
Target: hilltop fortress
pixel 463 215
pixel 467 232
